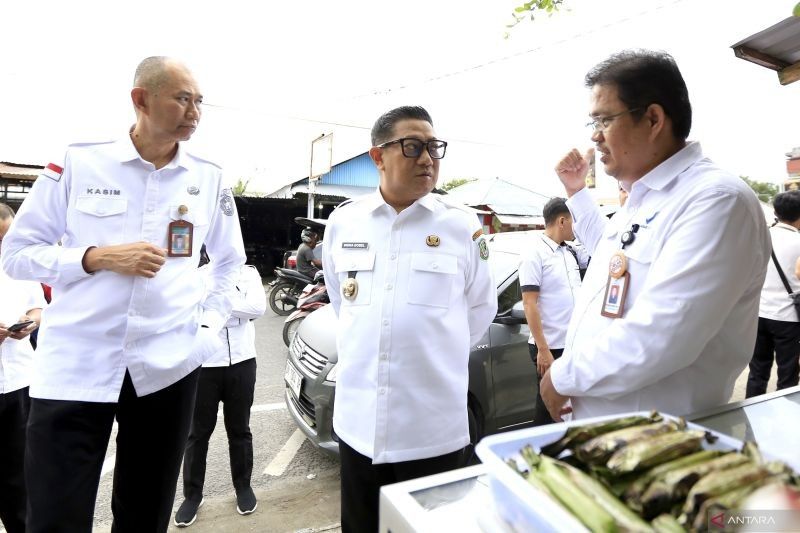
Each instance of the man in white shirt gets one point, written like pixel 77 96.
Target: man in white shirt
pixel 126 332
pixel 228 377
pixel 778 335
pixel 667 313
pixel 20 302
pixel 549 276
pixel 408 276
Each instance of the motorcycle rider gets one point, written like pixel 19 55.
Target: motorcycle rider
pixel 306 262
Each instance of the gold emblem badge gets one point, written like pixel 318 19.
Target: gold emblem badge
pixel 617 265
pixel 350 289
pixel 432 240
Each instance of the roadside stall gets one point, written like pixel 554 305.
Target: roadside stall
pixel 464 500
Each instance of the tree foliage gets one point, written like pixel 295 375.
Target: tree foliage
pixel 452 184
pixel 765 191
pixel 530 9
pixel 240 187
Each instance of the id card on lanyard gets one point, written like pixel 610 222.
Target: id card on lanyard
pixel 618 278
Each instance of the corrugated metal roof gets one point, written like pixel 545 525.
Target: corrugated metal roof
pixel 19 171
pixel 776 48
pixel 360 171
pixel 513 220
pixel 517 209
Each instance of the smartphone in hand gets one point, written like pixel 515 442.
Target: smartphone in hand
pixel 19 326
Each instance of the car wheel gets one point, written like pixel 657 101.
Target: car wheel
pixel 290 329
pixel 475 434
pixel 276 303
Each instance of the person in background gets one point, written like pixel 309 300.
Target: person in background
pixel 681 327
pixel 128 327
pixel 549 276
pixel 778 337
pixel 20 302
pixel 229 376
pixel 409 279
pixel 306 262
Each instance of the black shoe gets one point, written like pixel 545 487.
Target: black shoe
pixel 246 501
pixel 187 513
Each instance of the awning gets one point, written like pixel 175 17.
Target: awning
pixel 776 48
pixel 515 220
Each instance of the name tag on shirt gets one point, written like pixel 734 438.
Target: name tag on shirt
pixel 355 245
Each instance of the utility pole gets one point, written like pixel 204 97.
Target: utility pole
pixel 322 147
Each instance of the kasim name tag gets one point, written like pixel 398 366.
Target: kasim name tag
pixel 355 245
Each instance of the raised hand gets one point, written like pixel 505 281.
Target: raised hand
pixel 572 170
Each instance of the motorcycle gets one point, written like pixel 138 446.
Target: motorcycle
pixel 286 289
pixel 313 297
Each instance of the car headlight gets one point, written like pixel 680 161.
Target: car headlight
pixel 332 374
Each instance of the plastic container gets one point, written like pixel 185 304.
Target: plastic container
pixel 526 508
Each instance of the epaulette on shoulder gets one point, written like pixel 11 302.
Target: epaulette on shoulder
pixel 90 143
pixel 202 159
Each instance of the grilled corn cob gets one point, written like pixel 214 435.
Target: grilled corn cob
pixel 636 488
pixel 720 482
pixel 647 453
pixel 599 449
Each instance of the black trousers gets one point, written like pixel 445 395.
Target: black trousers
pixel 540 414
pixel 66 445
pixel 14 407
pixel 234 386
pixel 362 482
pixel 778 340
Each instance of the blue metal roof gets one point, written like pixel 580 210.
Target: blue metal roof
pixel 359 171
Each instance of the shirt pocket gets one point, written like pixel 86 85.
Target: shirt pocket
pixel 431 279
pixel 101 220
pixel 359 265
pixel 641 251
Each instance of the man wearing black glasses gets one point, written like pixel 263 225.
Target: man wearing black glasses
pixel 409 279
pixel 667 314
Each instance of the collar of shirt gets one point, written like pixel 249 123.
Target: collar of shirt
pixel 666 172
pixel 375 200
pixel 553 245
pixel 783 225
pixel 126 151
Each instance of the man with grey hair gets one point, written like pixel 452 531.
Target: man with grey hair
pixel 127 329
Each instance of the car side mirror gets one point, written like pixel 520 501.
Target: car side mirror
pixel 515 317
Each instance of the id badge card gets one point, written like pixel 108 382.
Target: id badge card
pixel 179 238
pixel 616 292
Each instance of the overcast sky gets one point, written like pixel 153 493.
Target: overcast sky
pixel 278 74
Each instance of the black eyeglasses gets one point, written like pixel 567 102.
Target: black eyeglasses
pixel 599 124
pixel 413 147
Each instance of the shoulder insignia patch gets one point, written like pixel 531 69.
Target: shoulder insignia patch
pixel 226 203
pixel 52 171
pixel 483 248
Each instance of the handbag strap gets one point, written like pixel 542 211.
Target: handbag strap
pixel 781 274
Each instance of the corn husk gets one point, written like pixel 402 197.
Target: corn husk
pixel 647 453
pixel 577 435
pixel 598 450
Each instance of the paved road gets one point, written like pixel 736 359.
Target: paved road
pixel 300 491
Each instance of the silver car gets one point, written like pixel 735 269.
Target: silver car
pixel 502 377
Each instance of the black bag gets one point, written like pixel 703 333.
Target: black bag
pixel 794 296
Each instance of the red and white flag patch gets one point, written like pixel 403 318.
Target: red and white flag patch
pixel 52 171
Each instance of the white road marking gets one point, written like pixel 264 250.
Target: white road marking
pixel 108 464
pixel 278 465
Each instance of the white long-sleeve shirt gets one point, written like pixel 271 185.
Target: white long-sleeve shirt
pixel 775 303
pixel 16 356
pixel 249 301
pixel 696 269
pixel 100 325
pixel 403 342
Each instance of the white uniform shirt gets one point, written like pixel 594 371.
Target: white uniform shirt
pixel 551 270
pixel 98 325
pixel 696 270
pixel 16 356
pixel 239 334
pixel 404 341
pixel 776 304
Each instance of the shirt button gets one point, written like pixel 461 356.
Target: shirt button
pixel 435 266
pixel 384 356
pixel 388 286
pixel 150 209
pixel 382 390
pixel 385 322
pixel 393 256
pixel 101 211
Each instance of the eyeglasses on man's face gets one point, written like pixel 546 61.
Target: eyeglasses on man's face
pixel 599 124
pixel 413 147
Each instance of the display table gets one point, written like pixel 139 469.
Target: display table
pixel 461 501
